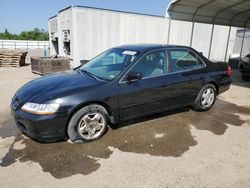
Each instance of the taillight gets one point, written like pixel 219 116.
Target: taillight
pixel 229 71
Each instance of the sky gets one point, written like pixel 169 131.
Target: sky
pixel 23 15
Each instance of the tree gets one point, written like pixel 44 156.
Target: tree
pixel 6 31
pixel 35 34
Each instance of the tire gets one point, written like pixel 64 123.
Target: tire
pixel 88 124
pixel 205 102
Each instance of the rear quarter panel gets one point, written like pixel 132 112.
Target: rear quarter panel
pixel 218 75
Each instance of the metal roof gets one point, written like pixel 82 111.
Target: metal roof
pixel 112 10
pixel 234 13
pixel 53 17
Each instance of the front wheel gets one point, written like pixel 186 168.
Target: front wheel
pixel 88 124
pixel 206 98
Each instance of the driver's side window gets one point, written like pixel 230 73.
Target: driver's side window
pixel 152 64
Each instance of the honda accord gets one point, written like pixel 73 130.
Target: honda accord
pixel 122 83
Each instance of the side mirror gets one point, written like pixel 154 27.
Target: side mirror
pixel 132 76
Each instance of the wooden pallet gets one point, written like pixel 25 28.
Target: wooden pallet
pixel 9 65
pixel 12 58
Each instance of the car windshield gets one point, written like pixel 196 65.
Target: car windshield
pixel 110 64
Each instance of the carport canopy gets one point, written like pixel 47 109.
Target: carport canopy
pixel 235 13
pixel 232 13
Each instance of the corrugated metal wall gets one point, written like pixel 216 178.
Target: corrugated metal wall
pixel 94 30
pixel 98 30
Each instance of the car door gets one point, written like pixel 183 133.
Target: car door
pixel 149 94
pixel 184 67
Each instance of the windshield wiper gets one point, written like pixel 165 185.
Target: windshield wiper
pixel 90 74
pixel 87 72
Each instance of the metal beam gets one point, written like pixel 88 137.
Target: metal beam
pixel 192 34
pixel 199 7
pixel 169 27
pixel 228 8
pixel 211 41
pixel 236 15
pixel 228 38
pixel 242 43
pixel 171 5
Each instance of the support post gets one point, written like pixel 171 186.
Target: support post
pixel 169 29
pixel 228 38
pixel 192 35
pixel 211 41
pixel 242 43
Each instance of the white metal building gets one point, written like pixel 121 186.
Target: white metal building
pixel 83 32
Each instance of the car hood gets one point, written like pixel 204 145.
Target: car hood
pixel 52 86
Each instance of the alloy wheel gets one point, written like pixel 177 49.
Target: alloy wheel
pixel 91 126
pixel 208 97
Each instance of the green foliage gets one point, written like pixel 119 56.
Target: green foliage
pixel 35 34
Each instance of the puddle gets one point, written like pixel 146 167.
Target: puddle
pixel 8 128
pixel 165 134
pixel 59 159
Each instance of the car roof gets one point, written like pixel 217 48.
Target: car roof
pixel 148 47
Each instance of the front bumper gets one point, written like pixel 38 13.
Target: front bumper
pixel 43 128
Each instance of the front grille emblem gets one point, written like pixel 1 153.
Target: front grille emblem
pixel 15 102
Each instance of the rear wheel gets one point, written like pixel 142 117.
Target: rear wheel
pixel 206 98
pixel 88 124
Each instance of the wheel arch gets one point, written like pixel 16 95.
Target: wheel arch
pixel 103 104
pixel 215 85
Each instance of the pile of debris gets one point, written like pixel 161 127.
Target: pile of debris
pixel 12 58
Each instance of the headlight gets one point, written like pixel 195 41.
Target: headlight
pixel 42 109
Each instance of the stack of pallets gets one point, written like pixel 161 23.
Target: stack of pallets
pixel 12 58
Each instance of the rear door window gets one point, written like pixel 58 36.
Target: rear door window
pixel 183 60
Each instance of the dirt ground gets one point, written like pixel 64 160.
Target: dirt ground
pixel 179 148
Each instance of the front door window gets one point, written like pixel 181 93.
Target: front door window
pixel 152 65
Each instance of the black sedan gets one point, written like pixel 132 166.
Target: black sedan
pixel 122 83
pixel 244 67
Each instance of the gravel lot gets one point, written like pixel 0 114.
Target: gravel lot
pixel 179 148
